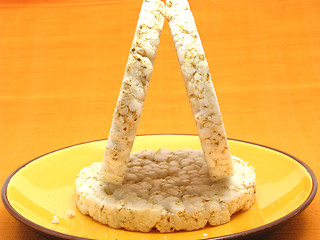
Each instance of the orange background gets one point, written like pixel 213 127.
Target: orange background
pixel 62 62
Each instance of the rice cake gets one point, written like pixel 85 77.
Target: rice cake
pixel 166 190
pixel 200 89
pixel 133 91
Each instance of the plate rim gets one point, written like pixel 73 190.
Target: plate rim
pixel 251 232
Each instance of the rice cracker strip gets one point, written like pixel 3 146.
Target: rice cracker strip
pixel 202 96
pixel 133 91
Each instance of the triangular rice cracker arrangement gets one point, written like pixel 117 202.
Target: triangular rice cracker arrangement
pixel 183 189
pixel 197 78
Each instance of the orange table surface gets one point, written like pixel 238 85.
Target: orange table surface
pixel 62 63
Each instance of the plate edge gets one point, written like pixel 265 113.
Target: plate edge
pixel 250 232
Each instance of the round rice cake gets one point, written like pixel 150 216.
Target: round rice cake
pixel 166 190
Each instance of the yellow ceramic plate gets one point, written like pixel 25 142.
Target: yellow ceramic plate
pixel 43 188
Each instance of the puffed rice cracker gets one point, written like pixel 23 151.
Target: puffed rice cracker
pixel 166 190
pixel 133 91
pixel 202 96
